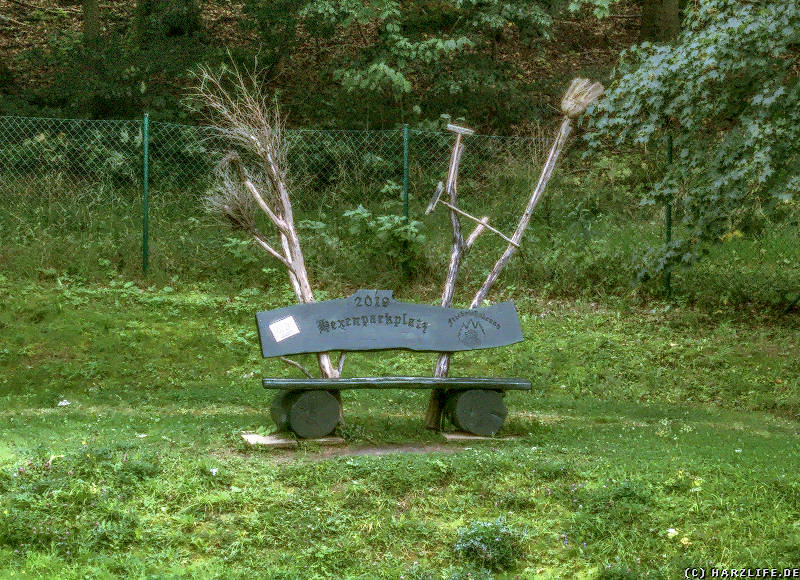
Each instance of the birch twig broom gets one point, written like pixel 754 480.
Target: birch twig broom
pixel 580 94
pixel 251 178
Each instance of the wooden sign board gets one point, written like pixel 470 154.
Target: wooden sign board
pixel 374 320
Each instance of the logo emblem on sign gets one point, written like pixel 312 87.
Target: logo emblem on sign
pixel 471 333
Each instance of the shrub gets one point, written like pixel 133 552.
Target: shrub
pixel 726 94
pixel 398 240
pixel 495 545
pixel 467 573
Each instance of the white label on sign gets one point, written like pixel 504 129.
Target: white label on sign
pixel 284 328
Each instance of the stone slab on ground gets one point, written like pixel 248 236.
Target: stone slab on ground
pixel 275 441
pixel 280 442
pixel 460 436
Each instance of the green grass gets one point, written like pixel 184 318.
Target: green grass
pixel 645 426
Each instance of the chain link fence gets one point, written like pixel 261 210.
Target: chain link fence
pixel 329 169
pixel 71 193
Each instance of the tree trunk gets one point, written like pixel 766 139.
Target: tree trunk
pixel 660 21
pixel 91 22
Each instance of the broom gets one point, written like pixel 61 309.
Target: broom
pixel 580 94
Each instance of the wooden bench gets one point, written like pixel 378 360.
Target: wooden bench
pixel 374 320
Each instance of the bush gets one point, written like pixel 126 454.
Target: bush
pixel 467 573
pixel 724 99
pixel 393 239
pixel 322 159
pixel 495 545
pixel 108 155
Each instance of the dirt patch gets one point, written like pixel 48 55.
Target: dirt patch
pixel 378 450
pixel 323 453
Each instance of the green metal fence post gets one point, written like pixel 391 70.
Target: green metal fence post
pixel 405 170
pixel 146 193
pixel 405 195
pixel 668 211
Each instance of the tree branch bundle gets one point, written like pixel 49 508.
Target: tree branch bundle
pixel 251 177
pixel 580 94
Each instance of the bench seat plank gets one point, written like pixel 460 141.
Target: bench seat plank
pixel 502 383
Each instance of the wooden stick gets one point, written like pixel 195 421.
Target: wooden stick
pixel 477 231
pixel 563 132
pixel 458 130
pixel 435 199
pixel 263 243
pixel 433 416
pixel 478 221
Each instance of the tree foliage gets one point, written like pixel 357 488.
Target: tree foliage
pixel 727 93
pixel 117 68
pixel 354 63
pixel 409 54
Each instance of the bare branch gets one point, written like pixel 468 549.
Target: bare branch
pixel 228 199
pixel 243 116
pixel 263 243
pixel 292 278
pixel 294 363
pixel 484 222
pixel 233 161
pixel 279 223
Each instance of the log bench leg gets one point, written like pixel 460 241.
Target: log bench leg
pixel 309 414
pixel 477 411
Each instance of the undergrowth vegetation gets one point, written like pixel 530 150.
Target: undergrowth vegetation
pixel 589 237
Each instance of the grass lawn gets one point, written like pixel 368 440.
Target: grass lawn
pixel 654 439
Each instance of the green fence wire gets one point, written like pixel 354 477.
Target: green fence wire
pixel 73 190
